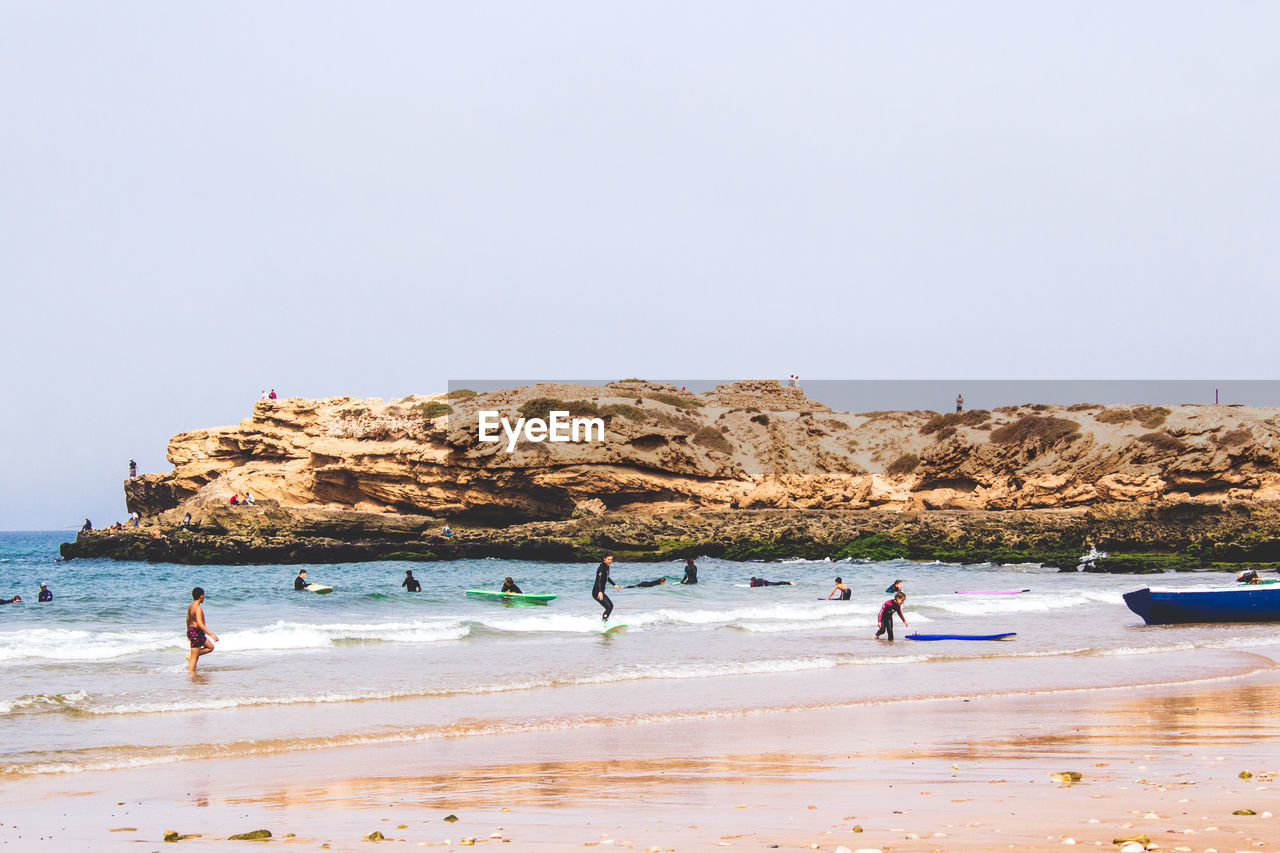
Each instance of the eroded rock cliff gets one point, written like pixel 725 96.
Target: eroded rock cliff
pixel 750 445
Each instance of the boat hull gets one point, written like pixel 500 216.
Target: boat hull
pixel 1248 604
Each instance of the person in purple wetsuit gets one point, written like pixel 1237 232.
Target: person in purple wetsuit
pixel 893 605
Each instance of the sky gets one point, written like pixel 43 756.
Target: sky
pixel 204 200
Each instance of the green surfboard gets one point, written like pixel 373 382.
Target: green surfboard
pixel 527 597
pixel 609 630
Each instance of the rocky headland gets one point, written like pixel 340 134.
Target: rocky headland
pixel 751 470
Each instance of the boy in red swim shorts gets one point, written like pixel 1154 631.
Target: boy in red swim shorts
pixel 198 633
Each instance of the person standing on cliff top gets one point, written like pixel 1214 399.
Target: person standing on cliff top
pixel 272 395
pixel 133 469
pixel 603 579
pixel 198 633
pixel 959 403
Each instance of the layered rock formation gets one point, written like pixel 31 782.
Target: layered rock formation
pixel 344 468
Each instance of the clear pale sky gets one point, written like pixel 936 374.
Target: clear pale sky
pixel 199 201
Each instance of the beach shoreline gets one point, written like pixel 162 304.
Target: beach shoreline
pixel 955 774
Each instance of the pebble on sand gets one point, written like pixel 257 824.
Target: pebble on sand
pixel 452 818
pixel 1244 811
pixel 375 836
pixel 1133 847
pixel 1066 777
pixel 1142 839
pixel 256 835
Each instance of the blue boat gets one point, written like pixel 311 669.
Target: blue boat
pixel 1169 607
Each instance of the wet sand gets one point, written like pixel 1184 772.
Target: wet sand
pixel 948 775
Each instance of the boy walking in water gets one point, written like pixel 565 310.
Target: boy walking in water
pixel 198 633
pixel 602 578
pixel 893 605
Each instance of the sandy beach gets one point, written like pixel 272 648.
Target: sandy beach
pixel 958 774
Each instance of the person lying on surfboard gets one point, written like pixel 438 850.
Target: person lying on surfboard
pixel 763 582
pixel 655 582
pixel 508 585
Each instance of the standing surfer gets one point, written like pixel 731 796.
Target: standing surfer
pixel 603 579
pixel 690 571
pixel 893 605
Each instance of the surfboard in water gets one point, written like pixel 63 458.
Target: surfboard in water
pixel 612 629
pixel 319 588
pixel 991 591
pixel 492 595
pixel 960 636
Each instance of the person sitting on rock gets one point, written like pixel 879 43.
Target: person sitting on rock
pixel 88 526
pixel 300 582
pixel 646 584
pixel 446 531
pixel 235 499
pixel 410 583
pixel 186 521
pixel 508 585
pixel 763 582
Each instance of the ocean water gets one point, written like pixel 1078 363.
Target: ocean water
pixel 97 679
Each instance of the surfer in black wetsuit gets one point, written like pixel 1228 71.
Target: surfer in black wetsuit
pixel 508 585
pixel 300 582
pixel 690 571
pixel 603 579
pixel 17 599
pixel 894 587
pixel 893 605
pixel 843 589
pixel 410 583
pixel 657 582
pixel 763 582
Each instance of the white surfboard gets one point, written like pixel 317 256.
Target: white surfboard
pixel 319 588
